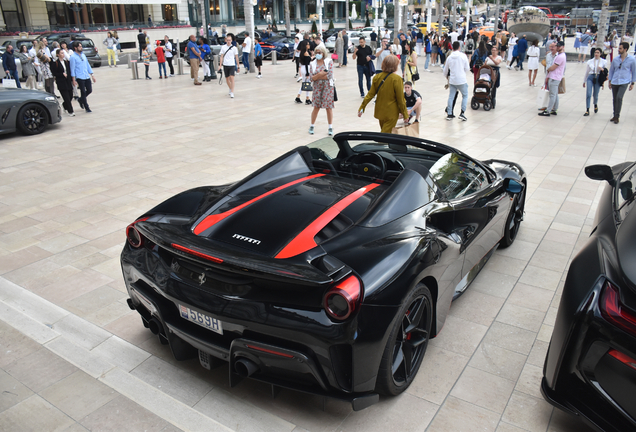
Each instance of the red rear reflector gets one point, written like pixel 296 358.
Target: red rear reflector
pixel 269 351
pixel 213 219
pixel 342 300
pixel 623 358
pixel 613 310
pixel 196 253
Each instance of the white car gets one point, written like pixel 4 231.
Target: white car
pixel 354 41
pixel 368 30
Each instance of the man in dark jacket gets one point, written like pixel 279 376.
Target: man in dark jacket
pixel 8 64
pixel 141 41
pixel 345 39
pixel 522 47
pixel 61 70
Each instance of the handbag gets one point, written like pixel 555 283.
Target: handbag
pixel 9 83
pixel 306 87
pixel 562 86
pixel 371 68
pixel 334 56
pixel 335 94
pixel 543 98
pixel 414 76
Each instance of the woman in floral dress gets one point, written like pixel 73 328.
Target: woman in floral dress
pixel 322 82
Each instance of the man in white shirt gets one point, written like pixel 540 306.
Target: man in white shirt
pixel 453 35
pixel 247 47
pixel 229 60
pixel 455 70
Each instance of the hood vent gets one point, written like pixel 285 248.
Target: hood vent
pixel 333 228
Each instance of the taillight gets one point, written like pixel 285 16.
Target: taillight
pixel 197 253
pixel 343 299
pixel 133 235
pixel 614 312
pixel 624 358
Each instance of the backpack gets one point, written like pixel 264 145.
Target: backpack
pixel 470 45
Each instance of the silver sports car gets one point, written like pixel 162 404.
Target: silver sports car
pixel 29 111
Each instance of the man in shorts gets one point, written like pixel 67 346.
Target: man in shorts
pixel 413 102
pixel 230 63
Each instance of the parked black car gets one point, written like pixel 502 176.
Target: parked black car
pixel 29 111
pixel 327 270
pixel 590 368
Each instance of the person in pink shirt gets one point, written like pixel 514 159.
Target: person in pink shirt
pixel 553 79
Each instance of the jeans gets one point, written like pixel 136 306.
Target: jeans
pixel 403 62
pixel 428 60
pixel 14 75
pixel 364 71
pixel 246 61
pixel 553 87
pixel 618 91
pixel 86 88
pixel 454 88
pixel 162 65
pixel 147 66
pixel 344 57
pixel 520 57
pixel 591 87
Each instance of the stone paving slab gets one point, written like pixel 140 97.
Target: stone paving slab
pixel 67 196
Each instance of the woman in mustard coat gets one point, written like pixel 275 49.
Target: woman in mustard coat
pixel 390 100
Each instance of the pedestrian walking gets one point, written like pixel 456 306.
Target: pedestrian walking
pixel 43 55
pixel 345 51
pixel 428 49
pixel 27 67
pixel 374 40
pixel 381 53
pixel 512 47
pixel 478 58
pixel 435 50
pixel 146 55
pixel 258 57
pixel 82 74
pixel 297 54
pixel 229 60
pixel 111 46
pixel 533 62
pixel 494 60
pixel 594 79
pixel 396 48
pixel 622 74
pixel 522 47
pixel 322 77
pixel 389 93
pixel 339 48
pixel 8 64
pixel 141 40
pixel 555 75
pixel 61 69
pixel 362 55
pixel 305 74
pixel 455 70
pixel 194 54
pixel 168 52
pixel 160 53
pixel 410 73
pixel 247 48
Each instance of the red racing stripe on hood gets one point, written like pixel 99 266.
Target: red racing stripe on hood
pixel 213 219
pixel 305 240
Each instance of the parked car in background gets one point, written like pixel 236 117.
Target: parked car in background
pixel 283 45
pixel 354 41
pixel 489 31
pixel 590 367
pixel 52 37
pixel 17 43
pixel 29 111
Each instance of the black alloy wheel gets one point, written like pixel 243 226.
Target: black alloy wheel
pixel 32 119
pixel 407 344
pixel 513 222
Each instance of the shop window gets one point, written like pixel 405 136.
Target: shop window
pixel 169 12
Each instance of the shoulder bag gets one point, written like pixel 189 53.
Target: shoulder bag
pixel 414 76
pixel 562 86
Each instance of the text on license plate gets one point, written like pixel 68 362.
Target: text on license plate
pixel 201 319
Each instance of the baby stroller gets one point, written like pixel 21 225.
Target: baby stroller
pixel 485 88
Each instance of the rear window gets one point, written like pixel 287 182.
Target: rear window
pixel 85 42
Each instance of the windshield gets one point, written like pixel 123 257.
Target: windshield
pixel 625 191
pixel 325 149
pixel 458 176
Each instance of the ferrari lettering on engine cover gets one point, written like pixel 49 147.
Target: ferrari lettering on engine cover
pixel 247 239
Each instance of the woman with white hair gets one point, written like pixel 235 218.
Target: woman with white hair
pixel 322 82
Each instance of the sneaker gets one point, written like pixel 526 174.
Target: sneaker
pixel 450 117
pixel 509 67
pixel 232 95
pixel 299 78
pixel 148 78
pixel 171 75
pixel 246 72
pixel 595 109
pixel 297 100
pixel 307 101
pixel 462 117
pixel 362 95
pixel 71 114
pixel 88 110
pixel 311 130
pixel 553 112
pixel 330 132
pixel 259 76
pixel 516 68
pixel 544 113
pixel 296 76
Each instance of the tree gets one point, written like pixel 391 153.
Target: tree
pixel 287 23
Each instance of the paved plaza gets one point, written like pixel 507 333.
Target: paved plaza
pixel 74 357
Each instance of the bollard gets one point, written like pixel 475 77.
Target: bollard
pixel 127 59
pixel 274 56
pixel 179 66
pixel 133 67
pixel 213 67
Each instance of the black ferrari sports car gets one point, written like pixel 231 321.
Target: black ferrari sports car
pixel 590 368
pixel 327 270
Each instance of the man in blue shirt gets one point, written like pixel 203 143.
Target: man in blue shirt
pixel 522 47
pixel 8 64
pixel 622 73
pixel 195 57
pixel 82 73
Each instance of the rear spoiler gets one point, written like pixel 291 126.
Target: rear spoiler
pixel 183 243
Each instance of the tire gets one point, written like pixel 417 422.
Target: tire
pixel 513 221
pixel 487 106
pixel 32 119
pixel 284 53
pixel 474 104
pixel 407 343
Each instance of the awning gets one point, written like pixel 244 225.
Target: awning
pixel 107 2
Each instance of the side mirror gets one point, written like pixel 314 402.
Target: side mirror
pixel 600 172
pixel 514 187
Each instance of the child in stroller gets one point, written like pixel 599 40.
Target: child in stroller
pixel 484 91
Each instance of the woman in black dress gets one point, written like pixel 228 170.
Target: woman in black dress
pixel 61 70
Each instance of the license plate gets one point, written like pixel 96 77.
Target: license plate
pixel 201 319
